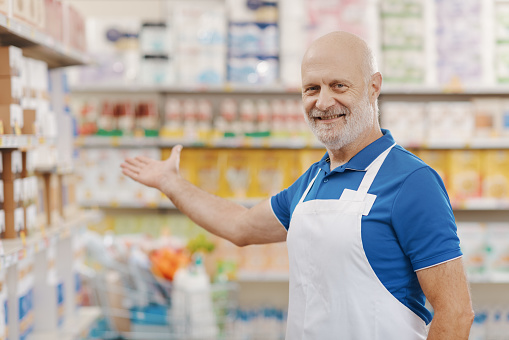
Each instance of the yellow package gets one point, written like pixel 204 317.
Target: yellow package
pixel 269 173
pixel 308 157
pixel 495 174
pixel 464 175
pixel 207 170
pixel 289 163
pixel 188 162
pixel 236 173
pixel 436 159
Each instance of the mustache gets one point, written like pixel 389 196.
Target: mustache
pixel 332 111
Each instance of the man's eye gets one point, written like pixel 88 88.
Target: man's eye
pixel 339 86
pixel 312 88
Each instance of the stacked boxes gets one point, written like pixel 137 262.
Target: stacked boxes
pixel 11 60
pixel 30 191
pixel 13 193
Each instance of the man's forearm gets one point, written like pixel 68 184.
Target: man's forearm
pixel 455 327
pixel 217 215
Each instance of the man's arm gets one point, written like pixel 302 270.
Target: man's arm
pixel 219 216
pixel 445 286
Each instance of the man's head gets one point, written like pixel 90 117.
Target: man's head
pixel 340 88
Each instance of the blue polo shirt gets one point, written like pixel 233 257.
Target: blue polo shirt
pixel 411 225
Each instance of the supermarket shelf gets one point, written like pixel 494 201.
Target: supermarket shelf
pixel 14 250
pixel 203 88
pixel 74 327
pixel 267 276
pixel 18 141
pixel 280 89
pixel 144 142
pixel 38 45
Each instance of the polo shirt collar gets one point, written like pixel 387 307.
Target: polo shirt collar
pixel 364 157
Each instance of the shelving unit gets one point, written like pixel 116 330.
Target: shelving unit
pixel 38 45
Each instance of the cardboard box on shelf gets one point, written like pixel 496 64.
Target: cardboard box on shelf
pixel 236 174
pixel 11 118
pixel 11 59
pixel 12 90
pixel 14 222
pixel 29 123
pixel 269 169
pixel 12 164
pixel 42 218
pixel 27 163
pixel 208 171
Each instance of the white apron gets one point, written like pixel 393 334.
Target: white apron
pixel 334 292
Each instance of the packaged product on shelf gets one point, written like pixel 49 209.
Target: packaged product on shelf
pixel 173 119
pixel 459 28
pixel 464 175
pixel 236 174
pixel 11 119
pixel 438 160
pixel 449 123
pixel 147 118
pixel 200 57
pixel 125 115
pixel 247 116
pixel 226 124
pixel 155 38
pixel 204 120
pixel 486 118
pixel 263 117
pixel 12 90
pixel 42 204
pixel 406 121
pixel 257 70
pixel 190 111
pixel 106 121
pixel 501 29
pixel 279 132
pixel 25 296
pixel 208 170
pixel 403 42
pixel 504 119
pixel 269 172
pixel 20 10
pixel 157 70
pixel 74 27
pixel 54 19
pixel 11 61
pixel 473 245
pixel 498 252
pixel 4 6
pixel 495 175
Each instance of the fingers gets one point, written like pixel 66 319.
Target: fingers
pixel 134 162
pixel 130 173
pixel 143 159
pixel 130 167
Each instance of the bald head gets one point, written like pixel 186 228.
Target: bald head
pixel 342 47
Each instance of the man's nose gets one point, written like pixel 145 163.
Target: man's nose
pixel 325 100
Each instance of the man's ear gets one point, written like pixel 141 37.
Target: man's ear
pixel 375 86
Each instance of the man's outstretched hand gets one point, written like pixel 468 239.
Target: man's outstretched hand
pixel 151 172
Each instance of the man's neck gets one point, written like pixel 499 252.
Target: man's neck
pixel 341 156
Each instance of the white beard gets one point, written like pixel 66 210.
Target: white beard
pixel 347 129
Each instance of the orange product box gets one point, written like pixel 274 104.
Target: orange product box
pixel 495 174
pixel 464 174
pixel 11 164
pixel 437 160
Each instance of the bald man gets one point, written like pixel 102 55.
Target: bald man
pixel 369 227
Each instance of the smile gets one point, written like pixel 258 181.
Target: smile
pixel 330 117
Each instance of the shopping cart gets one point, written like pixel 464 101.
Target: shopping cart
pixel 138 305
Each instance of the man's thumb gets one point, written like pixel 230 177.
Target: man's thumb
pixel 175 155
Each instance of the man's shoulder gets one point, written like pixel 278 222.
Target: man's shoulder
pixel 403 161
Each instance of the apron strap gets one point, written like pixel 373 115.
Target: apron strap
pixel 309 187
pixel 369 177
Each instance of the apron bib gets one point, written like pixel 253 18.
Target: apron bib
pixel 334 292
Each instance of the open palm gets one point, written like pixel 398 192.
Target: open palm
pixel 151 172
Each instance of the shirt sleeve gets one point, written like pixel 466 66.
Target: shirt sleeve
pixel 423 220
pixel 285 201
